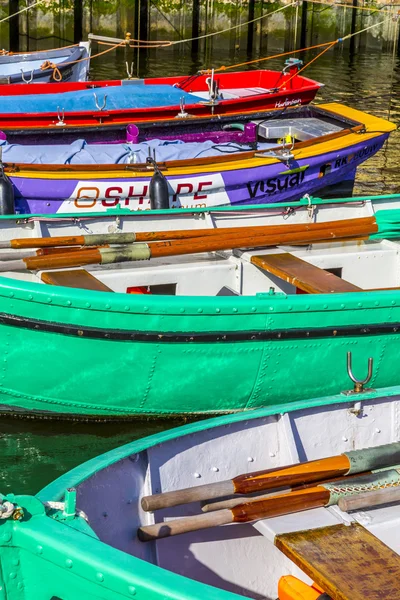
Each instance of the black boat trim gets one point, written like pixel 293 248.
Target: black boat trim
pixel 122 335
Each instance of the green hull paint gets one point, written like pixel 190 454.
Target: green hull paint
pixel 74 374
pixel 43 559
pixel 55 557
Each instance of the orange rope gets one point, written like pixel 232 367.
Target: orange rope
pixel 250 62
pixel 57 75
pixel 309 63
pixel 148 42
pixel 74 62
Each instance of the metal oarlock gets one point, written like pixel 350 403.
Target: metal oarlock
pixel 358 383
pixel 60 117
pixel 182 114
pixel 24 79
pixel 129 70
pixel 96 100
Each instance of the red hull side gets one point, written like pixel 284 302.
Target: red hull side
pixel 291 91
pixel 242 79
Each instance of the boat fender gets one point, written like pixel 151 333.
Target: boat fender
pixel 158 189
pixel 291 588
pixel 7 205
pixel 132 134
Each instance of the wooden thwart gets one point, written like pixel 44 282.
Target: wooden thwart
pixel 302 274
pixel 348 562
pixel 75 278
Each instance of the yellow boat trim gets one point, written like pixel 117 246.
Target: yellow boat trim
pixel 374 126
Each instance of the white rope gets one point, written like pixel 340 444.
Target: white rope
pixel 21 11
pixel 200 37
pixel 346 37
pixel 61 506
pixel 6 510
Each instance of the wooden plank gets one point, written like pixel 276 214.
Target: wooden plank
pixel 75 278
pixel 348 562
pixel 302 274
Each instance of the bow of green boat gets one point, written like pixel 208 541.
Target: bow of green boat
pixel 78 538
pixel 109 336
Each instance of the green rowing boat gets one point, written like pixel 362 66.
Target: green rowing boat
pixel 79 537
pixel 198 328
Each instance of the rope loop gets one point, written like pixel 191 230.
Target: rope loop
pixel 57 75
pixel 7 510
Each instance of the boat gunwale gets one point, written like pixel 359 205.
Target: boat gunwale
pixel 337 111
pixel 220 210
pixel 196 306
pixel 16 168
pixel 76 55
pixel 58 87
pixel 69 51
pixel 56 489
pixel 155 109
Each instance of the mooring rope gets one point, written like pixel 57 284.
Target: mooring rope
pixel 21 11
pixel 207 35
pixel 325 45
pixel 141 44
pixel 343 5
pixel 165 43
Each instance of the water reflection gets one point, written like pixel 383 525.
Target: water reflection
pixel 365 76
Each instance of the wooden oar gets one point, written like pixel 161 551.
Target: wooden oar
pixel 220 241
pixel 179 234
pixel 50 251
pixel 370 499
pixel 231 502
pixel 274 506
pixel 348 463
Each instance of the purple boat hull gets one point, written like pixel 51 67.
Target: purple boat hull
pixel 275 182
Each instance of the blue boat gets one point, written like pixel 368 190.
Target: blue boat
pixel 131 94
pixel 46 65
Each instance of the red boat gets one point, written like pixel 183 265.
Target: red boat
pixel 222 94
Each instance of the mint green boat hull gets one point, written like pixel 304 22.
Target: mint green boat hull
pixel 102 355
pixel 54 551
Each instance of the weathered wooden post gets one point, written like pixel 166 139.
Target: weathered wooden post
pixel 13 25
pixel 78 20
pixel 250 27
pixel 303 29
pixel 353 26
pixel 144 20
pixel 195 26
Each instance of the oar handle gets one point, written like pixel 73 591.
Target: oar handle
pixel 148 533
pixel 370 499
pixel 195 494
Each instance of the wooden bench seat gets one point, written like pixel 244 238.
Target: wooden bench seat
pixel 347 562
pixel 75 278
pixel 302 274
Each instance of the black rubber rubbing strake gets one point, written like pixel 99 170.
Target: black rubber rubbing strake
pixel 195 337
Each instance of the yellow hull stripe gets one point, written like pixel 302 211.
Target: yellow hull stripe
pixel 374 126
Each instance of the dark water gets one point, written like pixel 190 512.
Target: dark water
pixel 366 77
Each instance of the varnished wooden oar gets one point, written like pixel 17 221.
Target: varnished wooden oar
pixel 220 241
pixel 235 501
pixel 50 251
pixel 282 504
pixel 178 234
pixel 348 463
pixel 370 499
